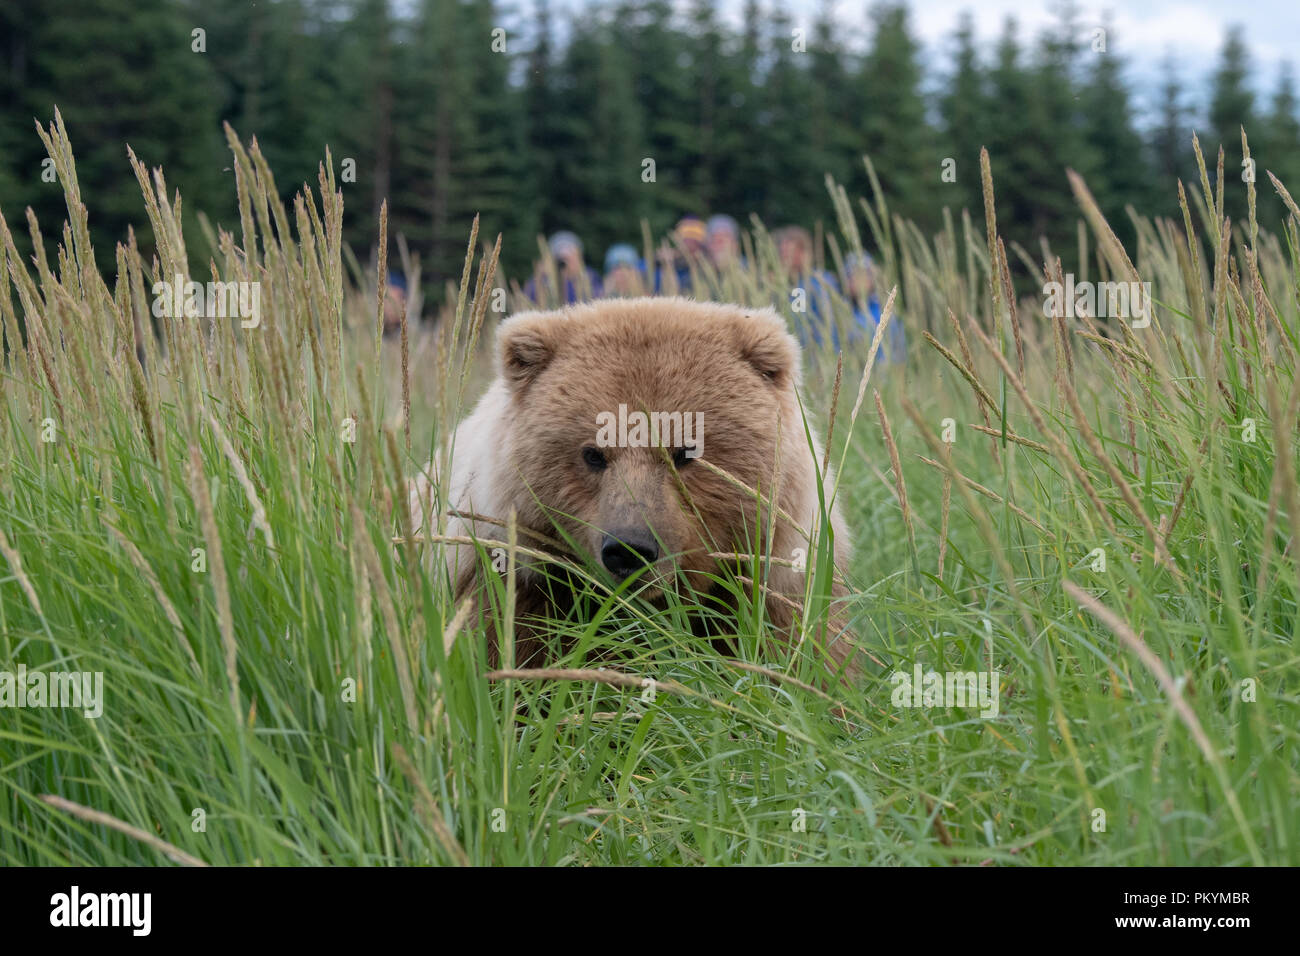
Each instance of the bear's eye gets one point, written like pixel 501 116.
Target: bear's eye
pixel 595 458
pixel 683 457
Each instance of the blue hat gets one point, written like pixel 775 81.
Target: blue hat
pixel 621 254
pixel 722 223
pixel 564 241
pixel 858 260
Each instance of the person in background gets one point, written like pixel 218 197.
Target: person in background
pixel 723 242
pixel 394 303
pixel 809 289
pixel 794 246
pixel 860 274
pixel 690 233
pixel 623 273
pixel 566 249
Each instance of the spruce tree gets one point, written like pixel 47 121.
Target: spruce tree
pixel 1055 138
pixel 491 174
pixel 1122 175
pixel 834 104
pixel 543 116
pixel 1009 138
pixel 19 163
pixel 158 100
pixel 1278 151
pixel 368 78
pixel 1171 140
pixel 598 178
pixel 1232 106
pixel 894 128
pixel 662 71
pixel 965 112
pixel 792 194
pixel 745 162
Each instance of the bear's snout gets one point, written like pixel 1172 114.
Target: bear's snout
pixel 628 550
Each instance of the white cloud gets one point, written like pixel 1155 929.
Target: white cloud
pixel 1144 29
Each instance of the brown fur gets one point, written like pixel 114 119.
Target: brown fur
pixel 737 369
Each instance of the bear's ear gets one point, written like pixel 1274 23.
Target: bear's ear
pixel 771 351
pixel 527 344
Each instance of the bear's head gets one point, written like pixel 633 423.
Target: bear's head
pixel 617 409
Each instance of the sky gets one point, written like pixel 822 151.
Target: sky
pixel 1144 32
pixel 1144 29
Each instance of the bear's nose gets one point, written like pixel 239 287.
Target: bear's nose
pixel 626 551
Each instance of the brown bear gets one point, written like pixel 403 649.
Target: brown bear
pixel 598 431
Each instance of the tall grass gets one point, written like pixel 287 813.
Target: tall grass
pixel 312 695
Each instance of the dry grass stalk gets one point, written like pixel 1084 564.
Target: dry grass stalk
pixel 900 484
pixel 1058 446
pixel 426 808
pixel 176 854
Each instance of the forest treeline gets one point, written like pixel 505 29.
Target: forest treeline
pixel 541 119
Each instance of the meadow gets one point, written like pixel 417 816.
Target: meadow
pixel 214 518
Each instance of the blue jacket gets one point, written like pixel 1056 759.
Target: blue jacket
pixel 893 351
pixel 683 274
pixel 570 288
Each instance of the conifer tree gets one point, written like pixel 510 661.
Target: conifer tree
pixel 1278 151
pixel 1171 140
pixel 1232 106
pixel 158 100
pixel 966 112
pixel 1122 175
pixel 896 133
